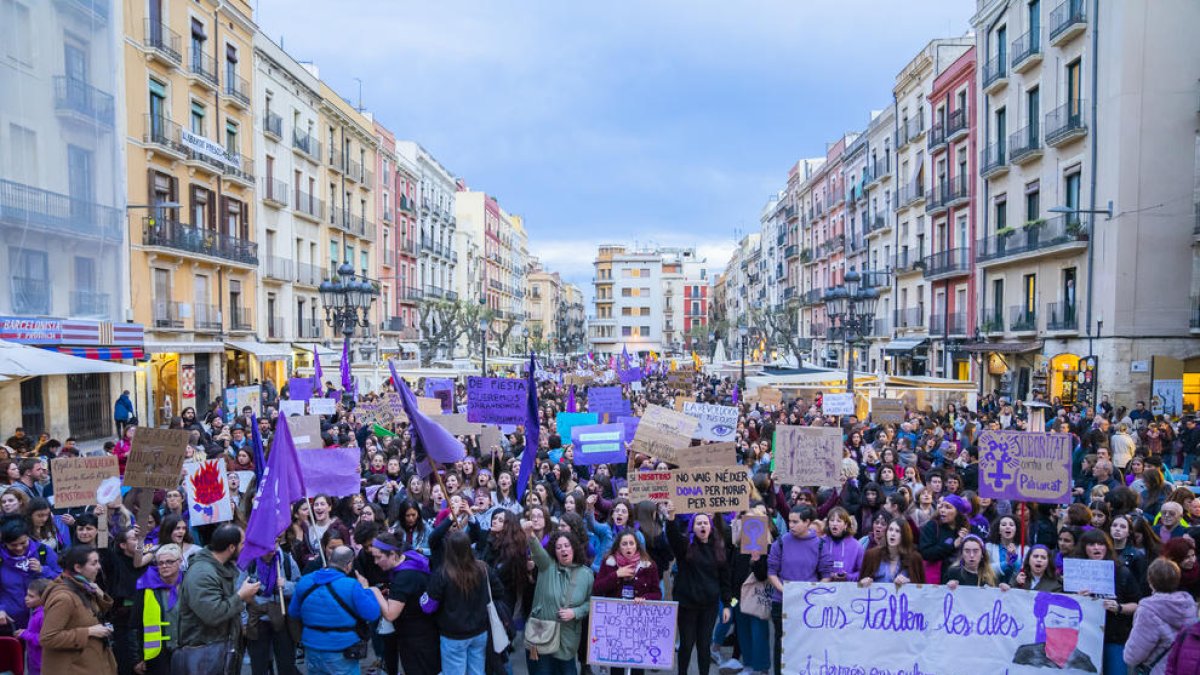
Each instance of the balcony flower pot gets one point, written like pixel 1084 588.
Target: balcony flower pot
pixel 1075 228
pixel 1004 231
pixel 1037 222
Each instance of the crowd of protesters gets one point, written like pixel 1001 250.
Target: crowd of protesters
pixel 399 576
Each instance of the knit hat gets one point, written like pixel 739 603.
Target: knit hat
pixel 961 505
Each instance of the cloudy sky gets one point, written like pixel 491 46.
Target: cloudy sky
pixel 663 122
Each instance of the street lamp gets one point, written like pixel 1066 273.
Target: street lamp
pixel 347 301
pixel 742 332
pixel 525 335
pixel 851 306
pixel 483 329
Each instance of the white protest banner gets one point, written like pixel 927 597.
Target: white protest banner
pixel 322 406
pixel 808 455
pixel 291 408
pixel 837 404
pixel 625 633
pixel 1098 577
pixel 843 628
pixel 717 422
pixel 1025 466
pixel 662 431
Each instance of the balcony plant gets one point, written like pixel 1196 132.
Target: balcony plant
pixel 1005 231
pixel 1036 222
pixel 1075 227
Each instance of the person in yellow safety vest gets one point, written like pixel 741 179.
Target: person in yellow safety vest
pixel 156 608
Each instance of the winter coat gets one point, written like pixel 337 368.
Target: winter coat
pixel 328 627
pixel 210 610
pixel 553 580
pixel 701 580
pixel 66 647
pixel 123 410
pixel 798 559
pixel 14 580
pixel 645 581
pixel 1159 618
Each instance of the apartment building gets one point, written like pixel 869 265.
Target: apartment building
pixel 1084 104
pixel 773 224
pixel 878 228
pixel 825 239
pixel 62 213
pixel 290 209
pixel 408 291
pixel 910 353
pixel 740 289
pixel 438 248
pixel 554 311
pixel 646 300
pixel 194 261
pixel 950 206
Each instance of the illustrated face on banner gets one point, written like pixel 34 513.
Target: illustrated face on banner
pixel 1058 625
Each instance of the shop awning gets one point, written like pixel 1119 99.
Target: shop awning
pixel 1002 347
pixel 17 360
pixel 263 351
pixel 409 347
pixel 313 348
pixel 184 347
pixel 101 353
pixel 900 345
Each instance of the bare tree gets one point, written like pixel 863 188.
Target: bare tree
pixel 782 328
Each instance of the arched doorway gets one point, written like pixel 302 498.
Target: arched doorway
pixel 1064 377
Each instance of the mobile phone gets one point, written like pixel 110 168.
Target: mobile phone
pixel 253 578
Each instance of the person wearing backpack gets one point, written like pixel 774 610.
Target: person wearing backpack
pixel 1158 620
pixel 799 555
pixel 336 611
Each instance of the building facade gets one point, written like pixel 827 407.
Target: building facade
pixel 646 299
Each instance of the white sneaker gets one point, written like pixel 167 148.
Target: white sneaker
pixel 732 664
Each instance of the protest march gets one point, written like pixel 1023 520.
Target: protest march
pixel 559 519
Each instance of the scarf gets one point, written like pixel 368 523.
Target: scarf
pixel 624 561
pixel 151 579
pixel 268 574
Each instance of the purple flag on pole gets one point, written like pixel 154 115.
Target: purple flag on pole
pixel 531 435
pixel 318 372
pixel 260 458
pixel 735 393
pixel 571 399
pixel 347 381
pixel 282 485
pixel 439 444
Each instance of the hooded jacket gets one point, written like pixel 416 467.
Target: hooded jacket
pixel 14 580
pixel 67 649
pixel 1158 620
pixel 209 608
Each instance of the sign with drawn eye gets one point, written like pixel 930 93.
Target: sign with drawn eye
pixel 717 422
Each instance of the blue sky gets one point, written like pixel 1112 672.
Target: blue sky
pixel 658 121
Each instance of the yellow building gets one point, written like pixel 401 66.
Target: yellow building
pixel 191 186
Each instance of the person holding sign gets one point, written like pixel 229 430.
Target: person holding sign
pixel 1118 622
pixel 627 572
pixel 702 583
pixel 560 603
pixel 845 554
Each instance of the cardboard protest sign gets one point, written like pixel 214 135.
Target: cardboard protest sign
pixel 393 402
pixel 662 431
pixel 887 410
pixel 808 455
pixel 605 400
pixel 756 535
pixel 156 458
pixel 711 489
pixel 565 421
pixel 628 634
pixel 680 379
pixel 654 486
pixel 429 406
pixel 331 471
pixel 248 397
pixel 208 492
pixel 76 479
pixel 489 439
pixel 681 401
pixel 844 628
pixel 717 422
pixel 367 412
pixel 457 424
pixel 1025 466
pixel 292 408
pixel 322 406
pixel 1095 576
pixel 770 396
pixel 599 444
pixel 441 388
pixel 707 454
pixel 306 431
pixel 497 400
pixel 837 404
pixel 578 380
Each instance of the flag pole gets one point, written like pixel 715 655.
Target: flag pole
pixel 313 521
pixel 278 577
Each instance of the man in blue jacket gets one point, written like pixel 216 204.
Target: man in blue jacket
pixel 123 413
pixel 336 610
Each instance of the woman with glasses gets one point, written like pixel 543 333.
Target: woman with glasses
pixel 158 591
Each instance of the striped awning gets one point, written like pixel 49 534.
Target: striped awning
pixel 100 353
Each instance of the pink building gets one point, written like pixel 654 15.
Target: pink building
pixel 396 318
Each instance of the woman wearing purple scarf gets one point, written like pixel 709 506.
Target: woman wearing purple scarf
pixel 158 587
pixel 267 636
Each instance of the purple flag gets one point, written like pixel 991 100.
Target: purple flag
pixel 440 445
pixel 260 458
pixel 571 399
pixel 282 484
pixel 347 380
pixel 318 372
pixel 735 393
pixel 532 431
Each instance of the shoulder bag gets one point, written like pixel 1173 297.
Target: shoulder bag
pixel 500 641
pixel 542 635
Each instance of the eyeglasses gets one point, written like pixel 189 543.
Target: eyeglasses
pixel 164 563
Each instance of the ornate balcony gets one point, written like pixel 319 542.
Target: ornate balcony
pixel 1024 145
pixel 275 192
pixel 162 43
pixel 1063 234
pixel 1067 20
pixel 995 74
pixel 1061 316
pixel 1027 50
pixel 273 125
pixel 1022 319
pixel 993 160
pixel 202 68
pixel 949 263
pixel 165 233
pixel 90 303
pixel 237 90
pixel 957 124
pixel 55 213
pixel 1066 123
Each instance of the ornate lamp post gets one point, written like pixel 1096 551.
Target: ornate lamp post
pixel 851 308
pixel 483 329
pixel 743 331
pixel 347 301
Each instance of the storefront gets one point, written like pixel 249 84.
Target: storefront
pixel 250 361
pixel 906 356
pixel 182 375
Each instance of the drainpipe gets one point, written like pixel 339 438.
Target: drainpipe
pixel 1092 179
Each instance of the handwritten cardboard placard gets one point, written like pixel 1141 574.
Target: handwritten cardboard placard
pixel 844 628
pixel 887 410
pixel 770 396
pixel 717 422
pixel 497 400
pixel 578 380
pixel 680 379
pixel 756 535
pixel 489 439
pixel 394 403
pixel 156 458
pixel 808 455
pixel 1095 576
pixel 429 406
pixel 306 432
pixel 322 406
pixel 1025 465
pixel 628 634
pixel 367 412
pixel 707 454
pixel 682 401
pixel 711 489
pixel 654 486
pixel 662 431
pixel 599 443
pixel 457 424
pixel 76 479
pixel 837 404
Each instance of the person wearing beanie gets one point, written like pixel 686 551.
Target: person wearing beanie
pixel 941 537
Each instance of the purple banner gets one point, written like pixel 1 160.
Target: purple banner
pixel 1026 466
pixel 330 471
pixel 495 400
pixel 605 400
pixel 631 375
pixel 599 443
pixel 300 388
pixel 631 425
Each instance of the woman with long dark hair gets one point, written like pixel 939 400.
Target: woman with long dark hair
pixel 457 597
pixel 411 529
pixel 896 561
pixel 564 586
pixel 942 537
pixel 702 585
pixel 1096 545
pixel 506 549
